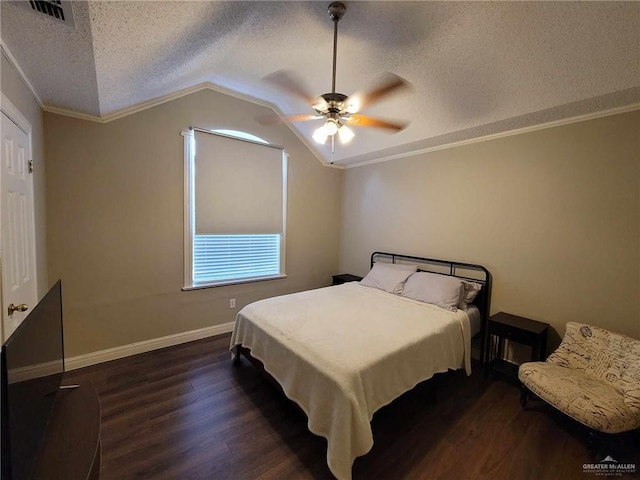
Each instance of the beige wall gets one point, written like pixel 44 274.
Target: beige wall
pixel 115 222
pixel 20 96
pixel 553 214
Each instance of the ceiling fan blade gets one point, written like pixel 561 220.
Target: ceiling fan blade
pixel 389 83
pixel 274 119
pixel 358 120
pixel 291 84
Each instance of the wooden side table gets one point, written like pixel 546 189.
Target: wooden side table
pixel 525 331
pixel 344 278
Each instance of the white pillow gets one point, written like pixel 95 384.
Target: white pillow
pixel 389 277
pixel 442 290
pixel 469 293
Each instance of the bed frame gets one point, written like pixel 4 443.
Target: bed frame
pixel 466 271
pixel 476 273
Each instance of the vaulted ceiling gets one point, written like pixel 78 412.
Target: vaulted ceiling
pixel 476 68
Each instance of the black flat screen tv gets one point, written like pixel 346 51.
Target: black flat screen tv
pixel 31 372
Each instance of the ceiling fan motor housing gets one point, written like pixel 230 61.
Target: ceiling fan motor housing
pixel 336 11
pixel 335 103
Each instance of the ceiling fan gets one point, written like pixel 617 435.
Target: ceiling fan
pixel 338 110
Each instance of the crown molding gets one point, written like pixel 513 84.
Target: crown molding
pixel 118 114
pixel 517 131
pixel 125 112
pixel 339 166
pixel 12 60
pixel 11 111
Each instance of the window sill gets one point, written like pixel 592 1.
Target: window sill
pixel 231 282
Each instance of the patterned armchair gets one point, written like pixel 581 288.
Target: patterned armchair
pixel 593 376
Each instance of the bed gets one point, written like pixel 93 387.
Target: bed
pixel 342 352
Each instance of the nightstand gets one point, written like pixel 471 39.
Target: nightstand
pixel 344 278
pixel 521 330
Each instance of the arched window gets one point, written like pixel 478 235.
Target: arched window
pixel 240 135
pixel 235 207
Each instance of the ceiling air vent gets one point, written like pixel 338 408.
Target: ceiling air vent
pixel 58 9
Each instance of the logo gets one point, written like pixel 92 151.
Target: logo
pixel 609 467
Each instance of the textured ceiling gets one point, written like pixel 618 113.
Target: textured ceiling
pixel 477 68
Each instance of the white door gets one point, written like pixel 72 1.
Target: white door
pixel 17 237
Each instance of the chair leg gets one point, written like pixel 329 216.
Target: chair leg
pixel 524 396
pixel 593 443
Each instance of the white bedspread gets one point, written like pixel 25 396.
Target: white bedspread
pixel 343 352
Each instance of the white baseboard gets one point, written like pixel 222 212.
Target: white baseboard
pixel 93 358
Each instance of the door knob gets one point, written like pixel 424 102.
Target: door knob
pixel 23 307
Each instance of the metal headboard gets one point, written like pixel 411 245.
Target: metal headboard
pixel 466 271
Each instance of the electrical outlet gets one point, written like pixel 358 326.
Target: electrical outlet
pixel 232 303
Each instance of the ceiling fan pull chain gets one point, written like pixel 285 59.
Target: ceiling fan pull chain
pixel 333 149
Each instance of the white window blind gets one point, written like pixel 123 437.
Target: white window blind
pixel 238 186
pixel 223 257
pixel 237 195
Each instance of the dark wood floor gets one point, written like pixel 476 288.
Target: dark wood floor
pixel 186 413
